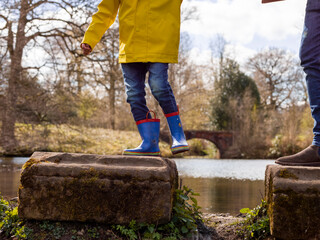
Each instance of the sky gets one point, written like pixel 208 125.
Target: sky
pixel 247 25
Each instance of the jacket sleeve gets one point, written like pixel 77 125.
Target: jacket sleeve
pixel 268 1
pixel 101 21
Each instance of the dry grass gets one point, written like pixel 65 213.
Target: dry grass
pixel 80 139
pixel 66 138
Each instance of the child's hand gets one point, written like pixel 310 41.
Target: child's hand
pixel 86 49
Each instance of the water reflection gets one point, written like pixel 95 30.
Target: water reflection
pixel 225 186
pixel 213 168
pixel 9 183
pixel 221 195
pixel 10 169
pixel 13 161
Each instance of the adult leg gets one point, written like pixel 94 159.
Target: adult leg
pixel 310 61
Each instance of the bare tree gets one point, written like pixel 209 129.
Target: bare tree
pixel 24 23
pixel 218 56
pixel 182 74
pixel 99 71
pixel 188 13
pixel 278 76
pixel 109 74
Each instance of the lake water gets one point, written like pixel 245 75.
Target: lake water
pixel 225 186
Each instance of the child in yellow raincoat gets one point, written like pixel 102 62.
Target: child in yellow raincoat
pixel 149 41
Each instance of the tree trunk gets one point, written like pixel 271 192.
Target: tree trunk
pixel 80 82
pixel 112 101
pixel 8 139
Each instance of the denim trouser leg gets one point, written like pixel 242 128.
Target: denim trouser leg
pixel 134 79
pixel 160 87
pixel 310 61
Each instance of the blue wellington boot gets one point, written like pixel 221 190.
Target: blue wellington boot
pixel 149 130
pixel 179 142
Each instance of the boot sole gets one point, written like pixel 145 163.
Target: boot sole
pixel 310 164
pixel 179 149
pixel 141 153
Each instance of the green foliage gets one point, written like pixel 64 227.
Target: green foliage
pixel 256 224
pixel 231 85
pixel 87 105
pixel 186 210
pixel 56 229
pixel 306 123
pixel 280 147
pixel 197 148
pixel 10 224
pixel 275 149
pixel 128 231
pixel 4 206
pixel 93 233
pixel 52 230
pixel 186 213
pixel 185 216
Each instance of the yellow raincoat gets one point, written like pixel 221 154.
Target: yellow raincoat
pixel 149 29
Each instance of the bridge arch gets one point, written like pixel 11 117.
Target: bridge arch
pixel 222 140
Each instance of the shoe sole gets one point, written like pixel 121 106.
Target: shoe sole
pixel 311 164
pixel 141 153
pixel 179 149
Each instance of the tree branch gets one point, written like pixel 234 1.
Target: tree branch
pixel 6 20
pixel 10 39
pixel 56 20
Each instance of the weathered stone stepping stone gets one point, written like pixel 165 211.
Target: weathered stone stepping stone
pixel 106 189
pixel 293 197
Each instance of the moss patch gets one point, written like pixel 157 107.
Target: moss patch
pixel 295 215
pixel 285 173
pixel 179 227
pixel 29 163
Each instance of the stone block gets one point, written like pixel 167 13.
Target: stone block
pixel 293 197
pixel 105 189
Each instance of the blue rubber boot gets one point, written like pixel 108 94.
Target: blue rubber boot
pixel 149 130
pixel 179 142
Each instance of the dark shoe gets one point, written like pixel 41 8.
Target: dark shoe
pixel 179 142
pixel 307 157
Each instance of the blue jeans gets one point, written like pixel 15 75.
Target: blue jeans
pixel 134 75
pixel 310 61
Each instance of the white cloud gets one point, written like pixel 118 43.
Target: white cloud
pixel 277 21
pixel 240 53
pixel 200 57
pixel 247 25
pixel 239 21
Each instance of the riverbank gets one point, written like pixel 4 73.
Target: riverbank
pixel 214 227
pixel 79 139
pixel 207 226
pixel 226 228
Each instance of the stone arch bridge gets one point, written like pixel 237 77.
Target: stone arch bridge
pixel 223 140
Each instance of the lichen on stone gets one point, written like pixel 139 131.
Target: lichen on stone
pixel 285 173
pixel 29 163
pixel 32 161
